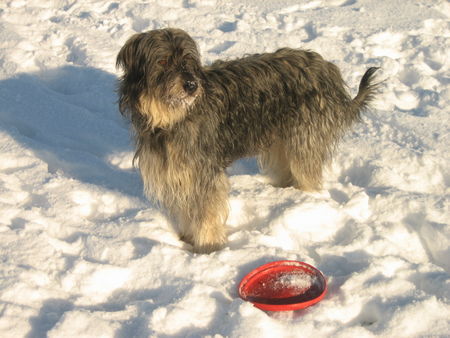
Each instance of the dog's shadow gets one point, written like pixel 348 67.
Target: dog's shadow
pixel 68 118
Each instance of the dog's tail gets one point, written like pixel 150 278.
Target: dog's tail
pixel 367 89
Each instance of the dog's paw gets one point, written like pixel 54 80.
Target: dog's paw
pixel 206 244
pixel 202 248
pixel 187 239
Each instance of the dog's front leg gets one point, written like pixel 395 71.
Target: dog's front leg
pixel 203 219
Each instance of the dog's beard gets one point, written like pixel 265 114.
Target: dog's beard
pixel 163 111
pixel 183 101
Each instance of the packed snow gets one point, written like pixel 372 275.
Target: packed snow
pixel 84 254
pixel 299 281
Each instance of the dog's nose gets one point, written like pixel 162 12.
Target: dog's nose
pixel 190 86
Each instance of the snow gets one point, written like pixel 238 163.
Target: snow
pixel 83 253
pixel 296 281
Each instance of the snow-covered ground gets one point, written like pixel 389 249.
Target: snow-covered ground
pixel 84 254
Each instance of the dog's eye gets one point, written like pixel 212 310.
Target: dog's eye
pixel 163 62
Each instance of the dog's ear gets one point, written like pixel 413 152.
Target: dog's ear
pixel 128 53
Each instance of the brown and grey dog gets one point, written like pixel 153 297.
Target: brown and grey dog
pixel 192 121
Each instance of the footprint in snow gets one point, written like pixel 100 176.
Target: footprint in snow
pixel 222 47
pixel 228 26
pixel 140 24
pixel 76 52
pixel 311 31
pixel 317 4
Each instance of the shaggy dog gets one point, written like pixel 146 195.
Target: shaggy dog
pixel 192 121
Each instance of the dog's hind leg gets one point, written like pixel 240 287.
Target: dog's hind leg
pixel 275 163
pixel 307 155
pixel 294 162
pixel 307 171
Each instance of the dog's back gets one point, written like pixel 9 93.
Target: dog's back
pixel 286 91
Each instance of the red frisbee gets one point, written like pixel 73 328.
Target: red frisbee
pixel 283 286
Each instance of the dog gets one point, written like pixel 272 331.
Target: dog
pixel 289 108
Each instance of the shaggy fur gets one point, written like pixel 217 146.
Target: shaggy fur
pixel 191 122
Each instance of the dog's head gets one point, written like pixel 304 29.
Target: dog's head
pixel 162 77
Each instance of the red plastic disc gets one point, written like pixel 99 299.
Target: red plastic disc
pixel 283 286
